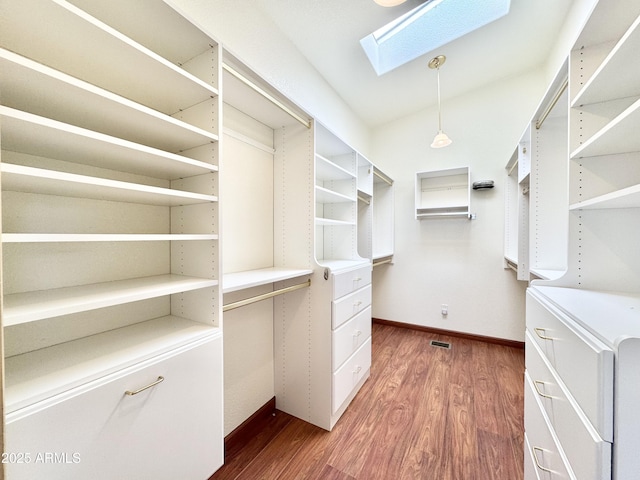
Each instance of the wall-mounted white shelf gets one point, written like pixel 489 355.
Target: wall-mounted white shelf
pixel 443 193
pixel 19 178
pixel 324 195
pixel 624 198
pixel 79 103
pixel 232 282
pixel 328 170
pixel 104 237
pixel 32 306
pixel 58 24
pixel 39 136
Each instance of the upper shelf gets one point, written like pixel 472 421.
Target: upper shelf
pixel 26 85
pixel 122 66
pixel 614 137
pixel 625 198
pixel 616 77
pixel 34 135
pixel 327 170
pixel 232 282
pixel 32 306
pixel 49 182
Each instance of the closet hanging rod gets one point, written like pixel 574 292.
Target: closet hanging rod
pixel 552 103
pixel 382 262
pixel 515 164
pixel 362 199
pixel 267 95
pixel 264 296
pixel 382 177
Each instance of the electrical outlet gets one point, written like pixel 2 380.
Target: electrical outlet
pixel 444 310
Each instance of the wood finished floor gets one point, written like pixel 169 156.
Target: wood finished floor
pixel 425 413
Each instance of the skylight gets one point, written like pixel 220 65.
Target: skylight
pixel 427 27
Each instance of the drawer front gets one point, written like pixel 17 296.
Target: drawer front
pixel 588 454
pixel 549 460
pixel 530 469
pixel 350 281
pixel 349 305
pixel 583 363
pixel 349 374
pixel 348 338
pixel 171 430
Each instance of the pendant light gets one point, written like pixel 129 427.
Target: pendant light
pixel 441 139
pixel 389 3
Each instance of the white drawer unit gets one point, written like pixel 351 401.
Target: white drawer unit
pixel 348 376
pixel 351 280
pixel 584 448
pixel 348 338
pixel 584 363
pixel 130 424
pixel 349 305
pixel 548 458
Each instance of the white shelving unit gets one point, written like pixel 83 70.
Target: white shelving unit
pixel 536 190
pixel 383 222
pixel 597 297
pixel 443 193
pixel 110 235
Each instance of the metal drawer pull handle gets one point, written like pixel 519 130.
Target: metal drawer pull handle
pixel 535 457
pixel 542 335
pixel 357 370
pixel 357 279
pixel 135 392
pixel 535 384
pixel 358 303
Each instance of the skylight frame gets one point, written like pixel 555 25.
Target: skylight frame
pixel 427 27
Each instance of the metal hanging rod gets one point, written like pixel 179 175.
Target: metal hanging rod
pixel 265 94
pixel 382 177
pixel 552 104
pixel 515 164
pixel 264 296
pixel 362 199
pixel 382 262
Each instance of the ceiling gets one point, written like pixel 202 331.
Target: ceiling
pixel 328 33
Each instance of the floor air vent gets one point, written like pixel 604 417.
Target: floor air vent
pixel 436 343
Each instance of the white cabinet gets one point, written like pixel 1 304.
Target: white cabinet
pixel 587 318
pixel 114 427
pixel 110 235
pixel 443 193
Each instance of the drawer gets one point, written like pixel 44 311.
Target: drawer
pixel 349 374
pixel 348 338
pixel 350 281
pixel 548 458
pixel 588 454
pixel 583 363
pixel 349 305
pixel 171 430
pixel 530 469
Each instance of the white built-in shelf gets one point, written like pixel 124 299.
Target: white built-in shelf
pixel 49 182
pixel 41 374
pixel 442 193
pixel 101 237
pixel 338 264
pixel 614 137
pixel 624 198
pixel 123 65
pixel 327 170
pixel 32 306
pixel 27 86
pixel 35 135
pixel 616 76
pixel 329 222
pixel 324 195
pixel 546 274
pixel 232 282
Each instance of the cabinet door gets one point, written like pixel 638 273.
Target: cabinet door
pixel 168 431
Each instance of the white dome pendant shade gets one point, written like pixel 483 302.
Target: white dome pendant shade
pixel 389 3
pixel 441 139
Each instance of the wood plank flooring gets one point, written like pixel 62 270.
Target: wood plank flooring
pixel 425 413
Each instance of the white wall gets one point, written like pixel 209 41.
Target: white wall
pixel 457 262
